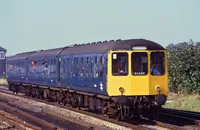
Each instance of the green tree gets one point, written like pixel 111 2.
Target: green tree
pixel 184 67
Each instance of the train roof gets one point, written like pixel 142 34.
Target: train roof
pixel 46 53
pixel 104 47
pixel 20 56
pixel 99 47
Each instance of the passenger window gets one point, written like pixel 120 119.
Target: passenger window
pixel 34 64
pixel 105 66
pixel 90 67
pixel 67 67
pixel 139 63
pixel 82 67
pixel 40 66
pixel 63 66
pixel 36 69
pixel 120 64
pixel 87 67
pixel 18 68
pixel 70 64
pixel 75 66
pixel 54 66
pixel 95 74
pixel 101 70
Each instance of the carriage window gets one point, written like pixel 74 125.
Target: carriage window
pixel 157 63
pixel 70 66
pixel 91 67
pixel 95 72
pixel 63 66
pixel 120 63
pixel 87 67
pixel 75 64
pixel 139 63
pixel 82 67
pixel 101 66
pixel 53 68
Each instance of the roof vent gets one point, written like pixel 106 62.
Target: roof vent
pixel 70 46
pixel 39 50
pixel 105 41
pixel 118 40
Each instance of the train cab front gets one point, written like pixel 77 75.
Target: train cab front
pixel 139 74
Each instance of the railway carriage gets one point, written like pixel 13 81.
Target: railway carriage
pixel 17 68
pixel 118 78
pixel 43 67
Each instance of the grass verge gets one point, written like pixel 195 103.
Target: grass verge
pixel 3 81
pixel 183 102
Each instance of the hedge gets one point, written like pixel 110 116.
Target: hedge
pixel 184 67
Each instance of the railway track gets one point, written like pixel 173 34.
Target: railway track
pixel 141 124
pixel 181 117
pixel 82 124
pixel 12 122
pixel 32 121
pixel 187 114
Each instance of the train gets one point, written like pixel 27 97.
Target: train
pixel 118 78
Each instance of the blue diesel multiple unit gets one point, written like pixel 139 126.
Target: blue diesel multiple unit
pixel 113 78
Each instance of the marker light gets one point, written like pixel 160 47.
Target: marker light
pixel 139 48
pixel 121 90
pixel 158 89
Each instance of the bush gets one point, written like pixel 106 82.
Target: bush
pixel 184 67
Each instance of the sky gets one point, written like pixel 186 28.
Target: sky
pixel 27 25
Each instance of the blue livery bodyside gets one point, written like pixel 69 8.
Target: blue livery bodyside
pixel 17 70
pixel 43 71
pixel 43 67
pixel 17 67
pixel 84 72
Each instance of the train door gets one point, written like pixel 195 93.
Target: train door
pixel 158 72
pixel 139 73
pixel 118 73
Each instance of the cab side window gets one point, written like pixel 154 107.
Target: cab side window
pixel 157 63
pixel 120 64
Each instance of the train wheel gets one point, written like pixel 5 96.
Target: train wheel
pixel 118 110
pixel 74 101
pixel 104 108
pixel 59 97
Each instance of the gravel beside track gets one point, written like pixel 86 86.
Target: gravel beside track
pixel 72 116
pixel 9 121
